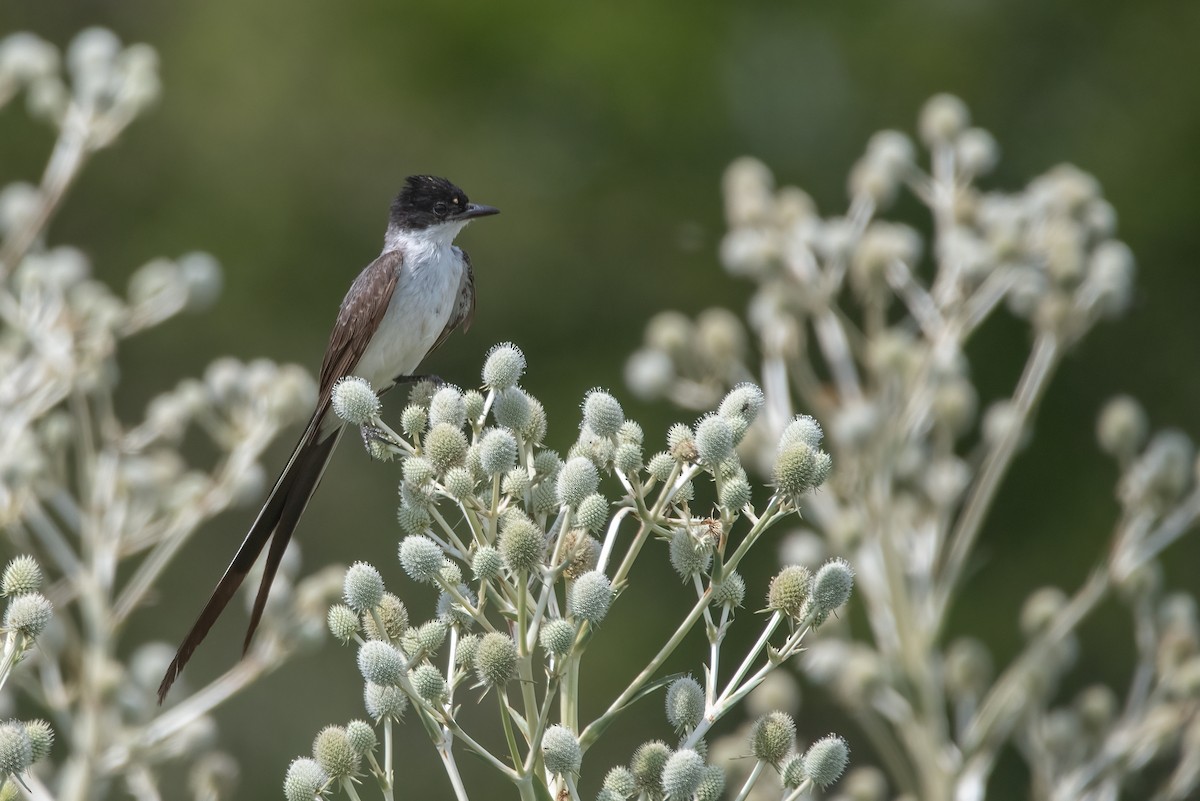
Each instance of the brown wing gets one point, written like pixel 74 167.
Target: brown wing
pixel 464 306
pixel 358 318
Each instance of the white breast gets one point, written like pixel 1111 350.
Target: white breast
pixel 420 307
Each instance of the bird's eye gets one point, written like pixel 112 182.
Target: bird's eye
pixel 439 209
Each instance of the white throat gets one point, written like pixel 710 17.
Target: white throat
pixel 424 243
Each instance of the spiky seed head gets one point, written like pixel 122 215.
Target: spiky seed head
pixel 714 440
pixel 802 428
pixel 459 483
pixel 606 794
pixel 446 447
pixel 620 782
pixel 731 592
pixel 380 663
pixel 361 736
pixel 660 465
pixel 792 772
pixel 412 519
pixel 773 737
pixel 1121 428
pixel 429 683
pixel 22 575
pixel 592 513
pixel 504 366
pixel 384 701
pixel 685 703
pixel 682 774
pixel 41 738
pixel 736 494
pixel 602 413
pixel 342 622
pixel 516 482
pixel 581 552
pixel 789 590
pixel 690 554
pixel 447 406
pixel 627 458
pixel 473 403
pixel 591 596
pixel 450 573
pixel 590 445
pixel 560 747
pixel 557 636
pixel 796 469
pixel 832 585
pixel 547 464
pixel 422 393
pixel 305 780
pixel 394 616
pixel 29 614
pixel 496 659
pixel 522 545
pixel 16 749
pixel 712 784
pixel 535 430
pixel 468 649
pixel 512 409
pixel 486 563
pixel 362 588
pixel 354 400
pixel 413 420
pixel 577 480
pixel 743 402
pixel 421 558
pixel 943 118
pixel 497 451
pixel 630 433
pixel 545 497
pixel 333 752
pixel 647 765
pixel 825 760
pixel 431 634
pixel 681 444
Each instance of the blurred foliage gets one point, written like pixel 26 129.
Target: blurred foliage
pixel 601 130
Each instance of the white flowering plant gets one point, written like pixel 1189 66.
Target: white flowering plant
pixel 852 321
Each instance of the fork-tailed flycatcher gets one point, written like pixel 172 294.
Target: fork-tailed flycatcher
pixel 401 307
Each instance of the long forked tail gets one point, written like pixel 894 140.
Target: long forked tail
pixel 275 522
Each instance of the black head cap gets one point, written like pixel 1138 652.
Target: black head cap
pixel 428 200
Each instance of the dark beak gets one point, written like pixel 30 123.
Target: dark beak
pixel 474 210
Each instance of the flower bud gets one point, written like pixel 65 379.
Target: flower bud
pixel 560 749
pixel 496 659
pixel 429 684
pixel 342 622
pixel 522 545
pixel 16 749
pixel 447 406
pixel 361 736
pixel 459 483
pixel 421 558
pixel 685 703
pixel 802 428
pixel 825 760
pixel 731 592
pixel 714 440
pixel 602 413
pixel 592 513
pixel 384 701
pixel 414 419
pixel 305 780
pixel 735 494
pixel 28 614
pixel 789 590
pixel 504 366
pixel 690 553
pixel 832 585
pixel 486 563
pixel 792 772
pixel 22 575
pixel 577 480
pixel 362 588
pixel 41 738
pixel 557 636
pixel 497 451
pixel 620 781
pixel 591 596
pixel 712 784
pixel 468 649
pixel 647 765
pixel 354 400
pixel 682 773
pixel 380 663
pixel 332 751
pixel 473 404
pixel 627 458
pixel 394 616
pixel 681 444
pixel 512 409
pixel 773 737
pixel 660 465
pixel 431 634
pixel 445 446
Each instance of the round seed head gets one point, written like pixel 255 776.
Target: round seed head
pixel 445 446
pixel 832 585
pixel 361 736
pixel 305 780
pixel 647 765
pixel 825 760
pixel 504 366
pixel 591 596
pixel 796 469
pixel 557 636
pixel 522 545
pixel 545 497
pixel 714 440
pixel 602 413
pixel 431 634
pixel 363 587
pixel 577 480
pixel 547 464
pixel 29 614
pixel 620 782
pixel 690 554
pixel 660 465
pixel 630 433
pixel 412 519
pixel 682 773
pixel 380 663
pixel 681 444
pixel 793 771
pixel 712 784
pixel 354 400
pixel 468 649
pixel 496 659
pixel 789 590
pixel 731 592
pixel 560 747
pixel 16 749
pixel 333 752
pixel 459 483
pixel 592 513
pixel 627 458
pixel 773 737
pixel 22 575
pixel 802 428
pixel 342 622
pixel 429 683
pixel 685 703
pixel 497 451
pixel 512 409
pixel 581 552
pixel 421 558
pixel 447 406
pixel 394 616
pixel 535 430
pixel 413 420
pixel 384 701
pixel 486 563
pixel 41 738
pixel 743 402
pixel 736 494
pixel 516 482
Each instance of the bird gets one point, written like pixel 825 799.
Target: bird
pixel 401 307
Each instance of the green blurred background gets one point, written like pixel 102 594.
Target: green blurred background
pixel 601 131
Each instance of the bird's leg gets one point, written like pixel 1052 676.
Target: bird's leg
pixel 412 379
